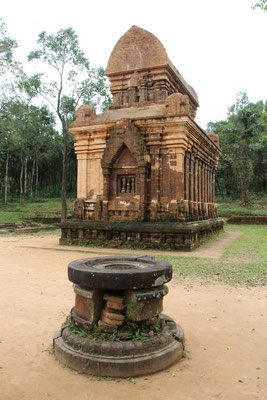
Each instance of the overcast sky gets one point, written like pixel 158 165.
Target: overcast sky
pixel 218 46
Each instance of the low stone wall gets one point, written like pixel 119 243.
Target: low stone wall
pixel 34 229
pixel 248 219
pixel 22 229
pixel 159 235
pixel 44 220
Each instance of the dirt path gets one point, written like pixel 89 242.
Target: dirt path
pixel 225 332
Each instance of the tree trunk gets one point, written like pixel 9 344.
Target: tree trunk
pixel 32 177
pixel 25 175
pixel 36 179
pixel 21 196
pixel 6 178
pixel 64 173
pixel 243 192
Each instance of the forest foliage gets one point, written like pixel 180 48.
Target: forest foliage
pixel 35 158
pixel 242 169
pixel 32 148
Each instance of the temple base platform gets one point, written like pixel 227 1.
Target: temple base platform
pixel 142 235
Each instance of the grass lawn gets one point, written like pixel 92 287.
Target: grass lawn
pixel 243 263
pixel 18 213
pixel 227 208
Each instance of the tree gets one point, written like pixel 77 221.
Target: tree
pixel 25 130
pixel 6 139
pixel 262 4
pixel 243 139
pixel 7 46
pixel 71 81
pixel 9 70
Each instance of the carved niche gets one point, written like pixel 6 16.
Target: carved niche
pixel 123 180
pixel 125 172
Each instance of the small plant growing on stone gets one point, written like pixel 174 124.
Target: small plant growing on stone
pixel 129 330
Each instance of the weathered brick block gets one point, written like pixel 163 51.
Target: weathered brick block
pixel 103 327
pixel 115 306
pixel 114 299
pixel 88 303
pixel 113 316
pixel 112 319
pixel 144 304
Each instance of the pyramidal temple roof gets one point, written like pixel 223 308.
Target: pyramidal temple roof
pixel 139 49
pixel 136 49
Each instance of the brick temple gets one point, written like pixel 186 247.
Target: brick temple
pixel 146 170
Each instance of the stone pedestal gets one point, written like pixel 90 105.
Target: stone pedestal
pixel 116 327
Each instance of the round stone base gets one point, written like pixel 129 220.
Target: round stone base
pixel 120 359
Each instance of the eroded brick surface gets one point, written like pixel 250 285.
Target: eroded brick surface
pixel 112 318
pixel 114 305
pixel 113 299
pixel 88 303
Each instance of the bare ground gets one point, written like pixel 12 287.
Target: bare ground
pixel 225 332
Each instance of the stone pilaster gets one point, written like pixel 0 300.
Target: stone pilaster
pixel 186 176
pixel 143 192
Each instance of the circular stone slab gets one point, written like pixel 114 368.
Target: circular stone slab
pixel 120 359
pixel 119 273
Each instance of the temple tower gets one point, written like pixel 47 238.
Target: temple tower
pixel 144 160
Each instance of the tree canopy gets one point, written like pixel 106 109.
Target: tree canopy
pixel 242 168
pixel 70 81
pixel 7 46
pixel 28 138
pixel 262 4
